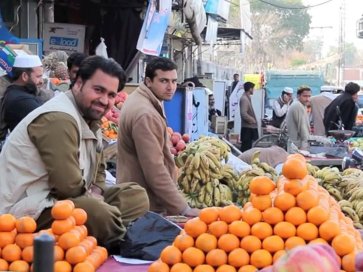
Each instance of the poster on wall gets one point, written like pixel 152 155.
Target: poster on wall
pixel 5 36
pixel 235 98
pixel 65 37
pixel 153 29
pixel 189 111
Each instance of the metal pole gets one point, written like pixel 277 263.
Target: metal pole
pixel 43 253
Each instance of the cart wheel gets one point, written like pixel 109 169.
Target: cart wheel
pixel 267 141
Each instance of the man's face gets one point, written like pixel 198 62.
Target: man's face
pixel 252 90
pixel 34 79
pixel 96 96
pixel 236 77
pixel 304 97
pixel 163 85
pixel 287 97
pixel 355 97
pixel 73 72
pixel 211 100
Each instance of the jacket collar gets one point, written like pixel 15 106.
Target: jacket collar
pixel 20 88
pixel 146 92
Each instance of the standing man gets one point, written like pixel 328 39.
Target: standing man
pixel 144 144
pixel 235 82
pixel 73 63
pixel 318 105
pixel 20 97
pixel 281 106
pixel 212 110
pixel 347 105
pixel 55 153
pixel 249 131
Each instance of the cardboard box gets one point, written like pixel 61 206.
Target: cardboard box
pixel 233 138
pixel 8 54
pixel 219 124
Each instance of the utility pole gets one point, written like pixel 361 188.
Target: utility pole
pixel 341 49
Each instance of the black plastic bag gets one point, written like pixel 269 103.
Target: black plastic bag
pixel 148 236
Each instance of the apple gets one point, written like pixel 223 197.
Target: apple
pixel 174 140
pixel 177 134
pixel 123 95
pixel 186 138
pixel 327 255
pixel 173 151
pixel 180 146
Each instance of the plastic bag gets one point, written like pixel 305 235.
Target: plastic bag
pixel 101 49
pixel 148 236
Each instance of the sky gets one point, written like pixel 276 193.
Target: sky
pixel 328 15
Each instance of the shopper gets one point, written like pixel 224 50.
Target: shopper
pixel 144 144
pixel 56 153
pixel 212 110
pixel 73 63
pixel 281 106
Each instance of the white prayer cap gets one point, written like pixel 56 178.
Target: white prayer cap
pixel 288 90
pixel 27 61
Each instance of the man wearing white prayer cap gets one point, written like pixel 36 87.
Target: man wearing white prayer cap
pixel 20 97
pixel 281 106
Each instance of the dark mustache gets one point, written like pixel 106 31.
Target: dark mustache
pixel 99 104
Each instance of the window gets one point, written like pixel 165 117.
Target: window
pixel 7 8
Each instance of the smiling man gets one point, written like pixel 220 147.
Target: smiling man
pixel 144 145
pixel 55 153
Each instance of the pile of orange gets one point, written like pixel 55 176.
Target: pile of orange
pixel 74 250
pixel 295 212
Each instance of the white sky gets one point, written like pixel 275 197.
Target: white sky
pixel 328 15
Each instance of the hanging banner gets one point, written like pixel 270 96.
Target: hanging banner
pixel 5 36
pixel 153 29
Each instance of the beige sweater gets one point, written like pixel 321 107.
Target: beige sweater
pixel 247 113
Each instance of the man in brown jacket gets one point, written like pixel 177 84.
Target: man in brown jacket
pixel 143 143
pixel 249 132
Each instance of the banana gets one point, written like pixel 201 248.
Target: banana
pixel 180 179
pixel 201 194
pixel 255 157
pixel 226 192
pixel 345 203
pixel 351 213
pixel 257 170
pixel 202 175
pixel 204 162
pixel 193 185
pixel 189 166
pixel 357 225
pixel 196 161
pixel 267 168
pixel 335 193
pixel 332 181
pixel 355 194
pixel 208 200
pixel 196 174
pixel 209 188
pixel 216 197
pixel 213 158
pixel 332 176
pixel 185 185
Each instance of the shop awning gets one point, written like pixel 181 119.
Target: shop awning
pixel 228 33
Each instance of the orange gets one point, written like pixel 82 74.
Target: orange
pixel 285 230
pixel 7 222
pixel 80 216
pixel 209 215
pixel 250 243
pixel 182 242
pixel 343 244
pixel 25 225
pixel 252 216
pixel 328 230
pixel 6 238
pixel 72 220
pixel 58 253
pixel 68 240
pixel 239 228
pixel 28 254
pixel 11 253
pixel 307 231
pixel 307 200
pixel 102 252
pixel 317 215
pixel 261 258
pixel 295 216
pixel 297 156
pixel 76 255
pixel 216 257
pixel 92 239
pixel 62 266
pixel 294 169
pixel 24 239
pixel 195 227
pixel 218 228
pixel 238 257
pixel 158 266
pixel 273 216
pixel 294 242
pixel 228 242
pixel 277 255
pixel 348 262
pixel 226 268
pixel 318 241
pixel 273 244
pixel 206 242
pixel 84 267
pixel 229 214
pixel 81 231
pixel 261 202
pixel 284 201
pixel 246 268
pixel 60 227
pixel 61 210
pixel 294 187
pixel 181 267
pixel 202 268
pixel 193 257
pixel 262 185
pixel 19 266
pixel 171 255
pixel 261 230
pixel 4 266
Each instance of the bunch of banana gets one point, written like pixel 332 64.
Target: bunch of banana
pixel 329 175
pixel 312 169
pixel 349 209
pixel 333 191
pixel 258 168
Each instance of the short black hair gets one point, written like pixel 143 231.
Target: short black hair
pixel 236 75
pixel 303 88
pixel 352 88
pixel 75 59
pixel 91 64
pixel 17 72
pixel 159 63
pixel 248 85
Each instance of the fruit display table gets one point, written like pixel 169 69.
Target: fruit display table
pixel 325 161
pixel 111 265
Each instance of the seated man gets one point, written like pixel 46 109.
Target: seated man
pixel 55 153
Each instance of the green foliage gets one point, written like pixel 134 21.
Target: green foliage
pixel 297 62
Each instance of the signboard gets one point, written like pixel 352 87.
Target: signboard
pixel 234 99
pixel 153 29
pixel 189 111
pixel 8 55
pixel 5 36
pixel 65 37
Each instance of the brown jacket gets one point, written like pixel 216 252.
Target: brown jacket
pixel 247 113
pixel 318 105
pixel 144 152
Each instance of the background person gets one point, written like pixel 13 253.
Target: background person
pixel 281 106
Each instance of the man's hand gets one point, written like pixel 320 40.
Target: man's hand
pixel 96 192
pixel 192 213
